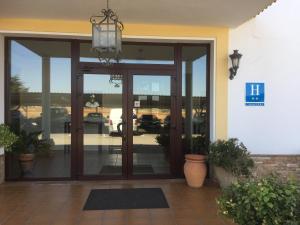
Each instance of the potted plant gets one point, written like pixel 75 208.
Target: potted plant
pixel 163 140
pixel 27 146
pixel 265 201
pixel 195 168
pixel 7 137
pixel 230 160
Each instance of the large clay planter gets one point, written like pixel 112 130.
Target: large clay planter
pixel 26 162
pixel 195 170
pixel 224 178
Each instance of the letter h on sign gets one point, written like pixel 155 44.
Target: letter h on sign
pixel 255 94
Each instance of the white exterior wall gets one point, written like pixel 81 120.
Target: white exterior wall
pixel 1 83
pixel 270 44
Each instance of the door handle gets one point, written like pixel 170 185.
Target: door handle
pixel 119 128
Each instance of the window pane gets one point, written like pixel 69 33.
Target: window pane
pixel 195 100
pixel 40 107
pixel 103 125
pixel 138 54
pixel 152 123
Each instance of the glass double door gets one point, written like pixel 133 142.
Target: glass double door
pixel 126 125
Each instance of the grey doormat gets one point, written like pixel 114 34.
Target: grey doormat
pixel 117 170
pixel 133 198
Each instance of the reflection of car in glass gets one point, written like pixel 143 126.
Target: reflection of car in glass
pixel 95 118
pixel 59 116
pixel 59 119
pixel 20 122
pixel 149 123
pixel 95 123
pixel 167 122
pixel 115 120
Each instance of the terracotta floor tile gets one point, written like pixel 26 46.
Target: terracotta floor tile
pixel 61 203
pixel 114 222
pixel 138 213
pixel 139 221
pixel 90 222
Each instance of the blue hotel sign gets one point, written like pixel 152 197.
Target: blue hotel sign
pixel 255 94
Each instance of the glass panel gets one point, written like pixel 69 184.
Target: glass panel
pixel 102 117
pixel 195 100
pixel 40 107
pixel 151 124
pixel 139 54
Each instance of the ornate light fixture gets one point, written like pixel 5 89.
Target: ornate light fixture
pixel 235 60
pixel 116 80
pixel 107 36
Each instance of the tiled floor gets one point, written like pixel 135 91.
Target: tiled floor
pixel 61 203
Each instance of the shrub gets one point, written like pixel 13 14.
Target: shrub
pixel 7 137
pixel 30 143
pixel 267 201
pixel 231 155
pixel 194 145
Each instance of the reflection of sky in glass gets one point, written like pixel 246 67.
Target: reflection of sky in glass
pixel 28 67
pixel 151 85
pixel 199 77
pixel 99 84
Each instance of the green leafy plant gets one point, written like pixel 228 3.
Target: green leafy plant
pixel 7 137
pixel 194 145
pixel 163 139
pixel 265 201
pixel 231 155
pixel 30 143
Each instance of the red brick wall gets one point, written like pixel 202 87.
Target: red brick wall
pixel 284 165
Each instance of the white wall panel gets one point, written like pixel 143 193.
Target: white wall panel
pixel 270 44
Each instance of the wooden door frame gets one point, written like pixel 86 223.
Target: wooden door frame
pixel 78 67
pixel 146 72
pixel 127 98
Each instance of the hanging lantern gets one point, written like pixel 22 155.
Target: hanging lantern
pixel 107 36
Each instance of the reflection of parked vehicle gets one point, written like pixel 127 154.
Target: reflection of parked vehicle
pixel 20 122
pixel 115 120
pixel 95 118
pixel 149 123
pixel 59 116
pixel 167 122
pixel 95 123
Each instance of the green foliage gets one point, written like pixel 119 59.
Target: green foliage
pixel 195 145
pixel 30 143
pixel 267 201
pixel 231 155
pixel 16 85
pixel 7 137
pixel 163 139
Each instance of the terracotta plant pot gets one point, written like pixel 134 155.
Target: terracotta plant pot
pixel 195 170
pixel 26 162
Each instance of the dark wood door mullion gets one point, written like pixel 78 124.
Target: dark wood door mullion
pixel 79 124
pixel 130 125
pixel 125 126
pixel 173 127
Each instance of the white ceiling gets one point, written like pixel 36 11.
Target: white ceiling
pixel 228 13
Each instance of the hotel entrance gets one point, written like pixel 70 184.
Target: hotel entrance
pixel 131 120
pixel 124 114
